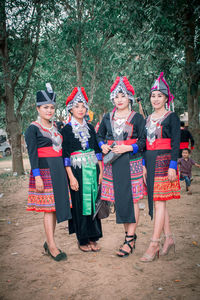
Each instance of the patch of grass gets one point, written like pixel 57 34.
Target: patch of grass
pixel 10 175
pixel 6 175
pixel 6 158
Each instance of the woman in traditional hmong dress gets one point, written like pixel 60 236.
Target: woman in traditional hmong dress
pixel 83 162
pixel 162 150
pixel 48 186
pixel 123 180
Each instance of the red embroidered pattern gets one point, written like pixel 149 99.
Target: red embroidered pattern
pixel 136 181
pixel 163 188
pixel 41 202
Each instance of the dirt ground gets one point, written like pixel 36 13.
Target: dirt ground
pixel 27 273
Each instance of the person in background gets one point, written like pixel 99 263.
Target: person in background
pixel 141 110
pixel 123 179
pixel 186 164
pixel 83 163
pixel 60 125
pixel 186 138
pixel 48 186
pixel 97 127
pixel 160 166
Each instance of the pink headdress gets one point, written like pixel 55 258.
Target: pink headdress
pixel 162 86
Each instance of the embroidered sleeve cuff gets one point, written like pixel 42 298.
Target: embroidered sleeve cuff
pixel 173 164
pixel 87 145
pixel 67 162
pixel 143 162
pixel 135 148
pixel 36 172
pixel 99 156
pixel 100 144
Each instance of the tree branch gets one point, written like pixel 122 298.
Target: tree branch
pixel 27 53
pixel 35 54
pixel 4 54
pixel 68 6
pixel 107 39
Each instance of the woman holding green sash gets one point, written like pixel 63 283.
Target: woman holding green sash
pixel 82 158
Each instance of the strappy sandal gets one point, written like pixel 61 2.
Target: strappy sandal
pixel 134 239
pixel 125 253
pixel 171 246
pixel 149 258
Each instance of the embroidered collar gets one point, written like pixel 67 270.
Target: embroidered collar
pixel 50 133
pixel 81 131
pixel 154 128
pixel 76 124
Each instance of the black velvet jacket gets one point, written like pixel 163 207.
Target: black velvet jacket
pixel 170 128
pixel 72 144
pixel 138 131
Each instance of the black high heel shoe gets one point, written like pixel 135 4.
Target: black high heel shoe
pixel 59 257
pixel 132 239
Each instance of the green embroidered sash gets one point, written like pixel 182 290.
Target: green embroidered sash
pixel 90 189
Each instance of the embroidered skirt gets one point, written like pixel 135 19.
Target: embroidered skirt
pixel 164 189
pixel 41 202
pixel 136 181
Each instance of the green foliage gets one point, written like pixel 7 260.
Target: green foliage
pixel 138 39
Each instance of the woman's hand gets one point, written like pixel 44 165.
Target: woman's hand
pixel 74 184
pixel 105 148
pixel 39 185
pixel 171 174
pixel 145 174
pixel 122 149
pixel 100 177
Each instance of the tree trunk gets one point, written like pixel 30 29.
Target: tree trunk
pixel 12 124
pixel 79 63
pixel 13 129
pixel 78 46
pixel 93 82
pixel 192 76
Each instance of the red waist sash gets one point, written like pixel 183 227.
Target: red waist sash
pixel 75 153
pixel 184 145
pixel 48 152
pixel 126 142
pixel 159 144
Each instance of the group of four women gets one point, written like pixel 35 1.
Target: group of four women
pixel 144 155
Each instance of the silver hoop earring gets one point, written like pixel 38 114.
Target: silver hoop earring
pixel 38 118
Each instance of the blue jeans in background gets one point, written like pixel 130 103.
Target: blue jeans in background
pixel 187 180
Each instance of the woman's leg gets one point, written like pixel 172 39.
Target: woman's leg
pixel 126 228
pixel 167 230
pixel 126 225
pixel 130 228
pixel 169 239
pixel 160 209
pixel 159 221
pixel 49 226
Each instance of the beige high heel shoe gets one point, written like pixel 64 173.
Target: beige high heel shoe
pixel 171 246
pixel 148 258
